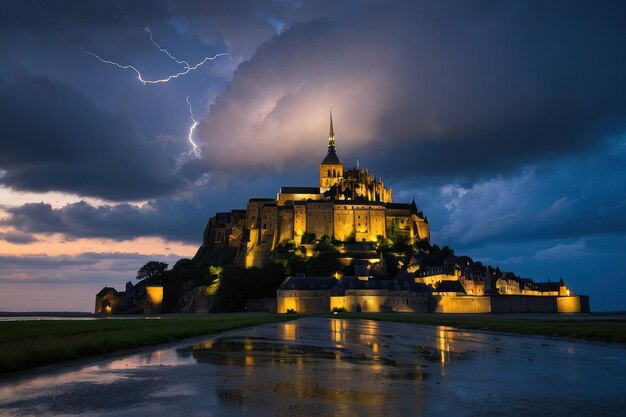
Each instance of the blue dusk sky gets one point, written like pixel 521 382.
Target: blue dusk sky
pixel 505 120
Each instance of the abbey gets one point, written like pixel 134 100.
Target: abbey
pixel 364 252
pixel 355 211
pixel 349 205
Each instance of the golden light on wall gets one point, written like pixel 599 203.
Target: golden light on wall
pixel 155 295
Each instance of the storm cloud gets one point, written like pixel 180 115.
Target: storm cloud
pixel 116 222
pixel 427 89
pixel 54 138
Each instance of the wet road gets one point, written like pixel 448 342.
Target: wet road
pixel 334 367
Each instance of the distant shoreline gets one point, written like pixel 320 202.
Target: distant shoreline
pixel 46 314
pixel 87 314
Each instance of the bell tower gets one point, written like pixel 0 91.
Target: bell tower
pixel 331 168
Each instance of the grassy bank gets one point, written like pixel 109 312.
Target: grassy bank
pixel 27 344
pixel 613 331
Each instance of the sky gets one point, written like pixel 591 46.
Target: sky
pixel 125 125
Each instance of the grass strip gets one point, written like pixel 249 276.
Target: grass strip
pixel 612 331
pixel 28 344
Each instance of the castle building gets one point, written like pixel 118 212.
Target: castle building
pixel 354 208
pixel 348 206
pixel 351 209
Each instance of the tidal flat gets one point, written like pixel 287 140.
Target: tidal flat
pixel 32 343
pixel 336 367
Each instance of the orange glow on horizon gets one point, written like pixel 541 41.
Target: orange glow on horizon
pixel 57 244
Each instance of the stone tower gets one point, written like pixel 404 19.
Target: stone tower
pixel 331 168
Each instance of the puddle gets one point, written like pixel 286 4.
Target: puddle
pixel 230 397
pixel 409 375
pixel 235 351
pixel 314 389
pixel 432 354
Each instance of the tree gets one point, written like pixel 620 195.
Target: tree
pixel 152 269
pixel 324 264
pixel 325 245
pixel 307 238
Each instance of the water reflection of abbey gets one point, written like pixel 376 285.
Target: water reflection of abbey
pixel 321 367
pixel 338 367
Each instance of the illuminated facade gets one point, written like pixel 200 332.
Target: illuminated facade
pixel 349 206
pixel 354 208
pixel 141 298
pixel 312 295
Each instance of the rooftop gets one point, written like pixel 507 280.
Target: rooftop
pixel 299 190
pixel 331 158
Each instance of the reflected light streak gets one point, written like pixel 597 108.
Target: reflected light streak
pixel 338 330
pixel 443 346
pixel 289 331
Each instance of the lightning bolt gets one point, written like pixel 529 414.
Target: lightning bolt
pixel 122 10
pixel 195 149
pixel 185 70
pixel 178 61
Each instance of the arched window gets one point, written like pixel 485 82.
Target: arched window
pixel 328 173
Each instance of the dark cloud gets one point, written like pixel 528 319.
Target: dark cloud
pixel 427 89
pixel 87 267
pixel 80 260
pixel 243 24
pixel 117 222
pixel 572 198
pixel 18 237
pixel 172 219
pixel 53 138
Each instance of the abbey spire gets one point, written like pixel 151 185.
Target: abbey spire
pixel 331 133
pixel 331 168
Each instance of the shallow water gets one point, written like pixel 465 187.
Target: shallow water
pixel 334 367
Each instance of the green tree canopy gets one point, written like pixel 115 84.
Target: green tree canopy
pixel 324 264
pixel 307 238
pixel 152 269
